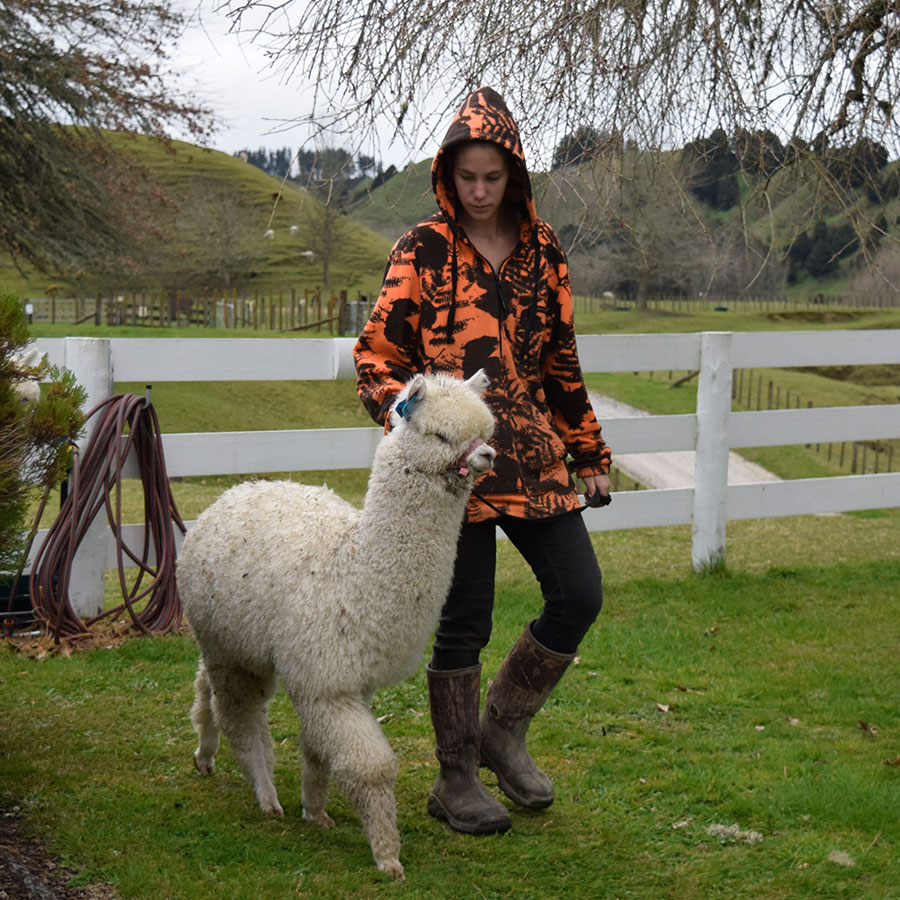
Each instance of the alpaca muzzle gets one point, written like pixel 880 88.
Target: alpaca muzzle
pixel 478 458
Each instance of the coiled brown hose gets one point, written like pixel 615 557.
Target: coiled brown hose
pixel 96 483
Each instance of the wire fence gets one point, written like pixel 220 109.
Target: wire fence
pixel 345 312
pixel 752 390
pixel 282 311
pixel 763 304
pixel 755 390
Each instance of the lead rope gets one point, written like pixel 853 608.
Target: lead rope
pixel 594 501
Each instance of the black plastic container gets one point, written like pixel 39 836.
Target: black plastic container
pixel 22 611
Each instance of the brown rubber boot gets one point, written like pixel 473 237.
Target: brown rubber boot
pixel 458 797
pixel 521 687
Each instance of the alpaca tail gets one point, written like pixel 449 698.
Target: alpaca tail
pixel 204 721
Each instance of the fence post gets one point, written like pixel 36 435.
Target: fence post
pixel 711 461
pixel 90 360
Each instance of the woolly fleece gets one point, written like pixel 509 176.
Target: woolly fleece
pixel 285 580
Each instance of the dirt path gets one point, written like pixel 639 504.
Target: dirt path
pixel 671 469
pixel 28 872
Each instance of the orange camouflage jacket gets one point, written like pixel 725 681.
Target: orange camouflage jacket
pixel 442 308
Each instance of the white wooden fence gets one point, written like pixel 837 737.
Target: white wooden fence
pixel 712 431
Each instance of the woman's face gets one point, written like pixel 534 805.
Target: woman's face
pixel 480 174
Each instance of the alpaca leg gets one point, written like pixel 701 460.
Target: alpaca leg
pixel 374 801
pixel 241 705
pixel 364 767
pixel 314 789
pixel 204 722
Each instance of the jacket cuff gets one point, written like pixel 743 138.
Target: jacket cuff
pixel 597 462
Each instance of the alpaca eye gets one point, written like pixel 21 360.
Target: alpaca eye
pixel 442 437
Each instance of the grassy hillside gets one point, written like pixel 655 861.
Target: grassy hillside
pixel 398 204
pixel 220 210
pixel 274 263
pixel 791 206
pixel 222 207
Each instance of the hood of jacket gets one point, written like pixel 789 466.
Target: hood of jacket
pixel 483 117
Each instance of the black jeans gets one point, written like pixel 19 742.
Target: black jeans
pixel 560 554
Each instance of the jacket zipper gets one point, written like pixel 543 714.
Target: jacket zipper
pixel 501 309
pixel 501 303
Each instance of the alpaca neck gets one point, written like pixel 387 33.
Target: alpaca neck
pixel 405 542
pixel 405 505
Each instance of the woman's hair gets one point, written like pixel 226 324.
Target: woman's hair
pixel 451 153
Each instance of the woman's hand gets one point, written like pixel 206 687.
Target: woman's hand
pixel 596 490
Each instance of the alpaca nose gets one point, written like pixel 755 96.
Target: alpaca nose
pixel 481 456
pixel 478 458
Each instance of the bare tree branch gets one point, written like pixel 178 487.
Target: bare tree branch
pixel 660 72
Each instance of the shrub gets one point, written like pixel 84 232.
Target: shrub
pixel 34 436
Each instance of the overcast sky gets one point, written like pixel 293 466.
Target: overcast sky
pixel 231 74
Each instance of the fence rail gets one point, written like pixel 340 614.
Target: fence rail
pixel 767 303
pixel 712 431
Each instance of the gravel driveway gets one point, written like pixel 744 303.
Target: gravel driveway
pixel 671 469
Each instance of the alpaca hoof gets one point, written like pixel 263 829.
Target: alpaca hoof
pixel 322 819
pixel 204 766
pixel 272 807
pixel 392 867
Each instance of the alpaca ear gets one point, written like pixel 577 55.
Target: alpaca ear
pixel 417 387
pixel 479 382
pixel 414 391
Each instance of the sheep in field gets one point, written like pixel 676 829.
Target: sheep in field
pixel 281 580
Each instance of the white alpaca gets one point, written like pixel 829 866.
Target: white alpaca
pixel 284 580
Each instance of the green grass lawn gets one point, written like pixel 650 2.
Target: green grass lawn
pixel 763 698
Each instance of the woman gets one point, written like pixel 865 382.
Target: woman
pixel 484 284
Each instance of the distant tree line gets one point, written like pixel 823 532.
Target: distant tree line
pixel 641 234
pixel 313 165
pixel 644 236
pixel 277 163
pixel 718 160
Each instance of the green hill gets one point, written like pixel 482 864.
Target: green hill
pixel 393 207
pixel 626 224
pixel 214 224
